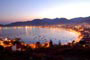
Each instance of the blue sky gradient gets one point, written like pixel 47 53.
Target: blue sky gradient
pixel 23 10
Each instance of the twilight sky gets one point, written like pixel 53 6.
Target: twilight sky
pixel 23 10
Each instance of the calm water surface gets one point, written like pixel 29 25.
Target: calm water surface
pixel 34 34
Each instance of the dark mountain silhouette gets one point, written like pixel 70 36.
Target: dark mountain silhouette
pixel 1 25
pixel 47 21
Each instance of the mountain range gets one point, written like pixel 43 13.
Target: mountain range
pixel 47 21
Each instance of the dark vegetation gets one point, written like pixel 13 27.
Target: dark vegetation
pixel 54 52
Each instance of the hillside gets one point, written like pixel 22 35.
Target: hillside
pixel 46 21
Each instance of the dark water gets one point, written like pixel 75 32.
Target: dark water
pixel 34 34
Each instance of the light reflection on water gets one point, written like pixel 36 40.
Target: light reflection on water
pixel 34 34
